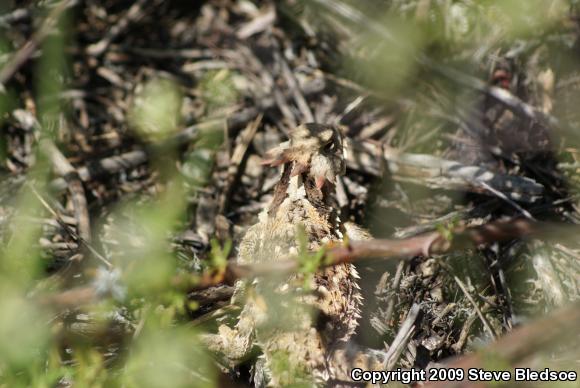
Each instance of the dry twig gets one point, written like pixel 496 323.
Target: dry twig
pixel 521 344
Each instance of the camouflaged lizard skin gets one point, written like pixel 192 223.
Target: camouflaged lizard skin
pixel 302 330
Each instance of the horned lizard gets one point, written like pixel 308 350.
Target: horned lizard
pixel 302 330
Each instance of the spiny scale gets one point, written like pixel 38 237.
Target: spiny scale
pixel 302 333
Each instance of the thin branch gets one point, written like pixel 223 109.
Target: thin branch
pixel 27 50
pixel 68 229
pixel 74 185
pixel 110 165
pixel 476 307
pixel 70 299
pixel 405 332
pixel 381 249
pixel 134 14
pixel 435 172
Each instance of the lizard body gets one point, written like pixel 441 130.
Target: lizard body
pixel 302 330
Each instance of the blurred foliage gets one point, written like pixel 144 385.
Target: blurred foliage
pixel 168 357
pixel 381 54
pixel 198 161
pixel 309 261
pixel 156 109
pixel 218 90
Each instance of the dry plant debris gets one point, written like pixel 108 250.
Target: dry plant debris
pixel 132 140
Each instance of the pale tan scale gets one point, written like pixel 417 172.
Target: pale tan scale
pixel 301 332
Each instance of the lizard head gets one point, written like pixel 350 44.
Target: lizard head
pixel 315 150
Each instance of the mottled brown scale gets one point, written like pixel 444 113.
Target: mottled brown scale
pixel 308 328
pixel 280 190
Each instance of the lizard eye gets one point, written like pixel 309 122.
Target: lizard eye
pixel 329 146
